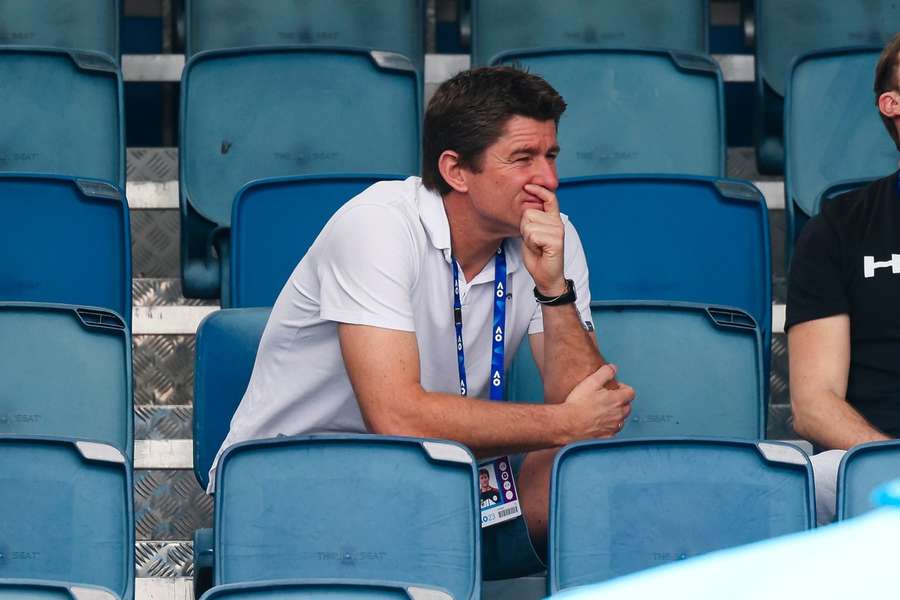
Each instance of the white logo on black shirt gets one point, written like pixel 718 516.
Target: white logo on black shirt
pixel 870 265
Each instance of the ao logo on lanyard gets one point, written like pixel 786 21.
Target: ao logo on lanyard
pixel 500 501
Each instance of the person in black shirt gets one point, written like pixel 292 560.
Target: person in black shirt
pixel 843 313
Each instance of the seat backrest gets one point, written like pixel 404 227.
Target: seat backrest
pixel 503 25
pixel 786 29
pixel 388 25
pixel 13 589
pixel 314 111
pixel 617 507
pixel 718 254
pixel 66 372
pixel 349 507
pixel 864 468
pixel 68 108
pixel 274 222
pixel 833 131
pixel 72 503
pixel 91 25
pixel 610 127
pixel 652 344
pixel 226 343
pixel 318 589
pixel 44 253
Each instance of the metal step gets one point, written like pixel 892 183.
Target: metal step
pixel 438 67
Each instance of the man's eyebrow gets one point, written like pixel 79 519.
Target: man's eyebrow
pixel 532 149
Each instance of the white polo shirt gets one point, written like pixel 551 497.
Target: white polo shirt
pixel 383 260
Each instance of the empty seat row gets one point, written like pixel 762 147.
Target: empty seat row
pixel 325 125
pixel 344 510
pixel 370 508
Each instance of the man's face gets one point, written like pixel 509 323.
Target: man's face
pixel 483 480
pixel 525 153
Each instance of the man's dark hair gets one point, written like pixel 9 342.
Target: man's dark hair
pixel 483 472
pixel 886 81
pixel 469 111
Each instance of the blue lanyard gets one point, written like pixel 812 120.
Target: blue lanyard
pixel 498 331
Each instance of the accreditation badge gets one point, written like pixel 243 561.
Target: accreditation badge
pixel 497 491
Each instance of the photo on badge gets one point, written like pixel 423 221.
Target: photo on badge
pixel 497 492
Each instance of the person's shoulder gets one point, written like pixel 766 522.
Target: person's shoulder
pixel 383 206
pixel 859 205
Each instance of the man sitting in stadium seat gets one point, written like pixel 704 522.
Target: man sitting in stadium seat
pixel 842 319
pixel 372 334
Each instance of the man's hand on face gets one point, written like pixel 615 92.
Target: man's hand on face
pixel 543 235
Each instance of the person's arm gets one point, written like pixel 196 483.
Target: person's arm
pixel 565 352
pixel 383 366
pixel 819 355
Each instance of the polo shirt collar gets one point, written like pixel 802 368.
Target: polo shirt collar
pixel 437 228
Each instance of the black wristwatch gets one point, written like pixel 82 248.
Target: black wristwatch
pixel 567 297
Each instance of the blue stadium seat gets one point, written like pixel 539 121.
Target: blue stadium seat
pixel 634 111
pixel 864 468
pixel 316 590
pixel 503 25
pixel 617 507
pixel 78 25
pixel 314 111
pixel 786 29
pixel 66 372
pixel 65 241
pixel 655 344
pixel 226 342
pixel 30 589
pixel 389 25
pixel 833 132
pixel 718 253
pixel 350 507
pixel 72 503
pixel 68 114
pixel 273 224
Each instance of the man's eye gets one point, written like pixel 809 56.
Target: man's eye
pixel 522 159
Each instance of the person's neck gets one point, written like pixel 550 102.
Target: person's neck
pixel 471 243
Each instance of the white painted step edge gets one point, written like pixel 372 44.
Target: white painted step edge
pixel 163 588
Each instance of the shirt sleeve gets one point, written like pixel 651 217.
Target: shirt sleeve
pixel 576 269
pixel 816 285
pixel 366 269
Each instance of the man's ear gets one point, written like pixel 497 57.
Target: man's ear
pixel 889 104
pixel 452 171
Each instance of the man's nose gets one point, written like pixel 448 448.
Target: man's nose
pixel 546 174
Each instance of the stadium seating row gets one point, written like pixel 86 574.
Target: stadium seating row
pixel 401 513
pixel 324 126
pixel 785 30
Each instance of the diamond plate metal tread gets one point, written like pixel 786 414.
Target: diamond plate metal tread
pixel 163 367
pixel 163 422
pixel 169 505
pixel 778 378
pixel 164 559
pixel 155 243
pixel 151 164
pixel 163 292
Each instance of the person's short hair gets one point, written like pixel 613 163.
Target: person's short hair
pixel 469 111
pixel 484 472
pixel 886 81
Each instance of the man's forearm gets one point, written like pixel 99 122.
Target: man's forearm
pixel 831 422
pixel 570 352
pixel 488 428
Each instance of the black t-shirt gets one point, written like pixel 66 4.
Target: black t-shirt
pixel 847 260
